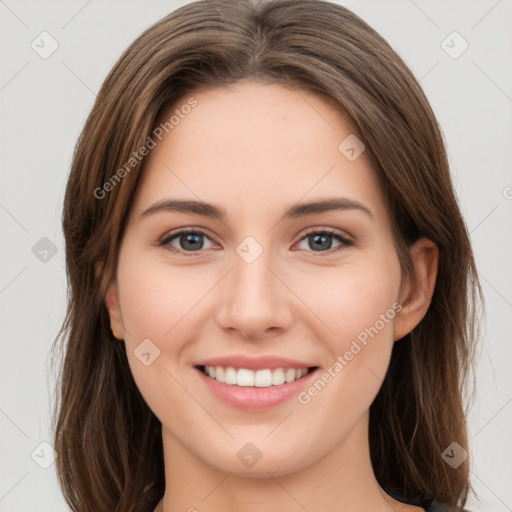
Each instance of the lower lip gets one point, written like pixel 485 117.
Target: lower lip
pixel 254 398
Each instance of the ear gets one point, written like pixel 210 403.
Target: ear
pixel 114 311
pixel 112 303
pixel 418 293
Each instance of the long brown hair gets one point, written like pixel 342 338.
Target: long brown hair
pixel 108 441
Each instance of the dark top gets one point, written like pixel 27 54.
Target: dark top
pixel 429 504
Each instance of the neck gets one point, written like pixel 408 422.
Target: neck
pixel 340 480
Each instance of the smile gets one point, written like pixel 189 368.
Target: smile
pixel 263 378
pixel 255 390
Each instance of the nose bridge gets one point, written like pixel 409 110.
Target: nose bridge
pixel 253 298
pixel 252 283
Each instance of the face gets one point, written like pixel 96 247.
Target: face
pixel 263 284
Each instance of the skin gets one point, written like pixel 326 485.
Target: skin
pixel 255 150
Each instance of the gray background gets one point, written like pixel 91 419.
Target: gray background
pixel 44 104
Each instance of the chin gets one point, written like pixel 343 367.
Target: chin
pixel 251 462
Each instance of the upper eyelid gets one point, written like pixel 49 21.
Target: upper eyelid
pixel 331 231
pixel 172 234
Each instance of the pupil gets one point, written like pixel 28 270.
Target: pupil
pixel 193 239
pixel 323 241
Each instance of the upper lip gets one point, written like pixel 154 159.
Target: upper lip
pixel 254 363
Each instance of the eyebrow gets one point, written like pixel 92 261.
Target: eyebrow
pixel 293 212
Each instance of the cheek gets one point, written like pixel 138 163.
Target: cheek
pixel 352 300
pixel 156 298
pixel 157 304
pixel 358 304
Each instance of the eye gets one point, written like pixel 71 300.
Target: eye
pixel 321 240
pixel 188 240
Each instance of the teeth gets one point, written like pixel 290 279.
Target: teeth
pixel 259 379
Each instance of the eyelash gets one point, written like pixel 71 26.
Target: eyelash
pixel 344 242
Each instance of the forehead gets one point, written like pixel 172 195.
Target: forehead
pixel 255 145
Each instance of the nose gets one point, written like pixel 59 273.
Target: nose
pixel 254 300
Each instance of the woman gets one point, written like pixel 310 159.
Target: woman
pixel 272 288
